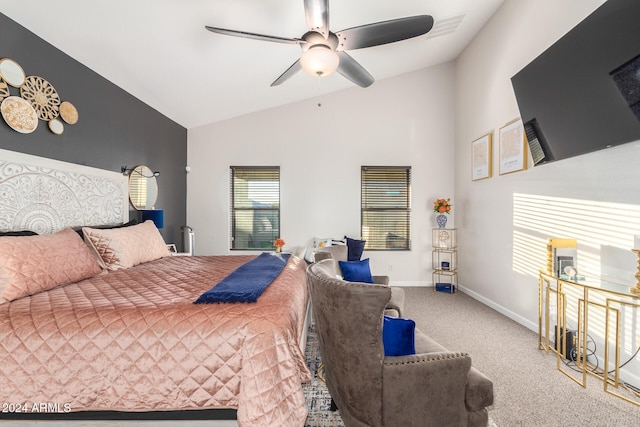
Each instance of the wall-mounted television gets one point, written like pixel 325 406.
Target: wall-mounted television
pixel 583 93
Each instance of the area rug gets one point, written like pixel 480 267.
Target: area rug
pixel 316 392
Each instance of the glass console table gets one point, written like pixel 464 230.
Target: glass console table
pixel 582 307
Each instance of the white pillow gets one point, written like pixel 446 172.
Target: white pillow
pixel 316 243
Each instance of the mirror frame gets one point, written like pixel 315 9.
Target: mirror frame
pixel 143 174
pixel 13 74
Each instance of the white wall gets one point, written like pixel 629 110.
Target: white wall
pixel 408 120
pixel 505 221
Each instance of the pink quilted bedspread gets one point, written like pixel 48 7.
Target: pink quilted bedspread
pixel 132 340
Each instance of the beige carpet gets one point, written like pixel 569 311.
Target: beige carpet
pixel 529 391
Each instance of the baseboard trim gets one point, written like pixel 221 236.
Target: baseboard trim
pixel 410 284
pixel 500 309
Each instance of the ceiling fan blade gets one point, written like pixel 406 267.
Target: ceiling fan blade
pixel 352 70
pixel 294 68
pixel 317 13
pixel 254 35
pixel 384 32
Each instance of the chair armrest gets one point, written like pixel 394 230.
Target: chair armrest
pixel 381 280
pixel 479 391
pixel 396 302
pixel 437 379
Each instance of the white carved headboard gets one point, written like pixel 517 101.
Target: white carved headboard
pixel 45 195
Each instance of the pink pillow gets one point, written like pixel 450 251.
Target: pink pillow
pixel 125 247
pixel 32 264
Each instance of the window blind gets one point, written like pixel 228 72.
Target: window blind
pixel 386 207
pixel 255 207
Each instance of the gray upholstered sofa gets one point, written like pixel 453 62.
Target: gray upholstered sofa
pixel 434 387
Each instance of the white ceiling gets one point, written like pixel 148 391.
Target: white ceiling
pixel 160 52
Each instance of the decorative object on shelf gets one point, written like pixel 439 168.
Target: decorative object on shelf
pixel 68 113
pixel 279 243
pixel 561 253
pixel 11 72
pixel 513 147
pixel 636 289
pixel 442 206
pixel 481 158
pixel 155 215
pixel 19 114
pixel 445 239
pixel 42 96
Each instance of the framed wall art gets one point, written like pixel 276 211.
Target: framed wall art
pixel 513 147
pixel 481 154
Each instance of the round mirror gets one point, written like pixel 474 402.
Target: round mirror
pixel 11 72
pixel 143 188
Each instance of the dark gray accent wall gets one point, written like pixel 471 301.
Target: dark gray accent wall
pixel 114 128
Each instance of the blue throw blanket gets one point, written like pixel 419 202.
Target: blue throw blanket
pixel 247 282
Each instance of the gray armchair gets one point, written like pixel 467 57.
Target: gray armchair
pixel 434 387
pixel 394 307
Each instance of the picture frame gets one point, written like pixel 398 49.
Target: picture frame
pixel 513 143
pixel 481 157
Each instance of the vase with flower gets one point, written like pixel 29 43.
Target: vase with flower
pixel 442 207
pixel 279 243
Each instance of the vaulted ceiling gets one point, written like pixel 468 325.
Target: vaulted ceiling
pixel 160 52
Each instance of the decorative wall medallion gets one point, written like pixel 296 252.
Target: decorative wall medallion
pixel 56 126
pixel 69 113
pixel 42 96
pixel 11 72
pixel 19 114
pixel 4 90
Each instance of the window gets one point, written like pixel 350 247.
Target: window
pixel 386 207
pixel 255 207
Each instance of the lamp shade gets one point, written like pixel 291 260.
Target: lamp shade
pixel 319 60
pixel 155 215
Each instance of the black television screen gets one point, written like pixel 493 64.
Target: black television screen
pixel 583 93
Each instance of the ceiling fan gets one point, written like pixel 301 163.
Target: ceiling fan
pixel 325 51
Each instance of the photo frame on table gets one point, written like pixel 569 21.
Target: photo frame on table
pixel 481 155
pixel 513 147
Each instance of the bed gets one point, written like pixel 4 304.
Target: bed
pixel 127 336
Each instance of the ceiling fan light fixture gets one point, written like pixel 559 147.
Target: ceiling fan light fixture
pixel 319 60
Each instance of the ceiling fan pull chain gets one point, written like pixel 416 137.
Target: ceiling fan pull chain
pixel 319 94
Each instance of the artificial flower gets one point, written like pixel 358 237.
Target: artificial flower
pixel 442 206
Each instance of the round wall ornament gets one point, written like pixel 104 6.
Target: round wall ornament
pixel 56 126
pixel 19 114
pixel 11 72
pixel 4 90
pixel 42 96
pixel 69 113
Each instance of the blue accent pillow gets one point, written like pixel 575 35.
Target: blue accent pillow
pixel 398 336
pixel 356 271
pixel 355 248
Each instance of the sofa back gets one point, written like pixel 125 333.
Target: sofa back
pixel 348 320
